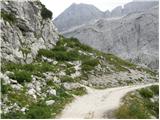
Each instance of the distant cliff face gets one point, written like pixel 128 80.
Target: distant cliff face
pixel 134 36
pixel 26 27
pixel 79 14
pixel 135 6
pixel 76 14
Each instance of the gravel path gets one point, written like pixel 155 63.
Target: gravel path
pixel 97 102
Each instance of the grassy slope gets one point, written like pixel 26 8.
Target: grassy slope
pixel 66 50
pixel 140 104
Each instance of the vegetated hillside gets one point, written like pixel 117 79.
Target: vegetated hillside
pixel 26 27
pixel 133 37
pixel 77 14
pixel 41 89
pixel 140 104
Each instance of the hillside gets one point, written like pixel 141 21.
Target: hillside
pixel 133 37
pixel 41 89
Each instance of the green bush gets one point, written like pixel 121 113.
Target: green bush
pixel 67 79
pixel 139 106
pixel 5 88
pixel 146 93
pixel 13 115
pixel 78 91
pixel 69 71
pixel 155 89
pixel 45 13
pixel 85 47
pixel 87 67
pixel 46 53
pixel 8 17
pixel 21 76
pixel 89 64
pixel 38 111
pixel 134 110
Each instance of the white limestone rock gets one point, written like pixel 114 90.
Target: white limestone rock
pixel 21 40
pixel 50 102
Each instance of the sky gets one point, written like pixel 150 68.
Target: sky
pixel 58 6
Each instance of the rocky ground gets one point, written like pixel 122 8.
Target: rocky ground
pixel 57 75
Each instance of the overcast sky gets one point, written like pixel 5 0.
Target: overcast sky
pixel 58 6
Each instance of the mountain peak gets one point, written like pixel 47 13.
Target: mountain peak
pixel 77 14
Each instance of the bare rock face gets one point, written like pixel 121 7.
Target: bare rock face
pixel 133 37
pixel 77 14
pixel 131 7
pixel 25 28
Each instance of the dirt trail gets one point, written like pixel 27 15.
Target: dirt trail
pixel 97 102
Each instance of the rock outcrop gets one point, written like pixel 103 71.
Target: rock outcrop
pixel 77 14
pixel 133 37
pixel 131 7
pixel 26 27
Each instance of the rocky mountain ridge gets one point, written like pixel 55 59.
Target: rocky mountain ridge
pixel 78 14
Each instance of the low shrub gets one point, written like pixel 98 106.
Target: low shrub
pixel 8 17
pixel 139 105
pixel 38 111
pixel 146 93
pixel 45 13
pixel 5 88
pixel 134 110
pixel 67 79
pixel 21 76
pixel 69 71
pixel 46 53
pixel 89 64
pixel 155 89
pixel 78 91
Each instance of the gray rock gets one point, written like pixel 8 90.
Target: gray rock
pixel 52 92
pixel 21 40
pixel 71 86
pixel 77 14
pixel 16 86
pixel 50 102
pixel 32 92
pixel 5 78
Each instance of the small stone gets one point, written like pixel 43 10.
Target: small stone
pixel 13 81
pixel 17 86
pixel 55 62
pixel 23 109
pixel 62 73
pixel 32 93
pixel 52 92
pixel 50 102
